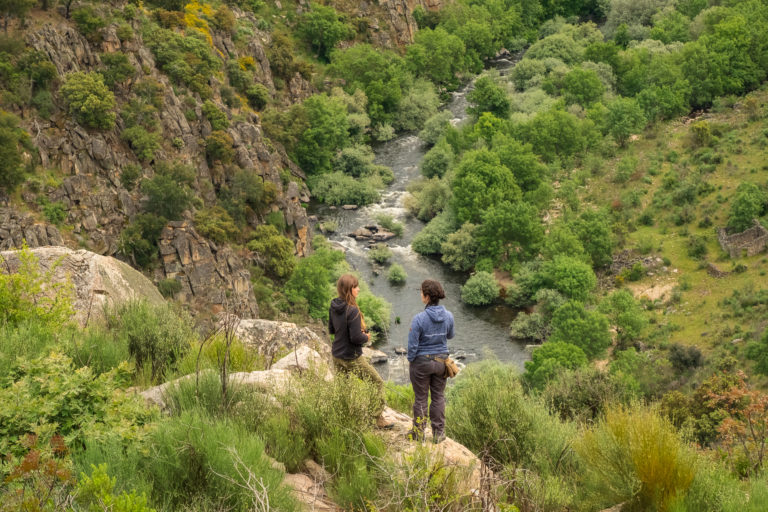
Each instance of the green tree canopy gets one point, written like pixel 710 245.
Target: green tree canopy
pixel 582 86
pixel 521 160
pixel 548 360
pixel 436 55
pixel 12 140
pixel 322 27
pixel 625 116
pixel 488 96
pixel 748 204
pixel 588 330
pixel 570 276
pixel 275 251
pixel 327 133
pixel 625 314
pixel 481 181
pixel 510 231
pixel 89 100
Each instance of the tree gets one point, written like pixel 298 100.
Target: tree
pixel 555 133
pixel 436 55
pixel 481 289
pixel 275 251
pixel 322 27
pixel 481 181
pixel 89 100
pixel 582 86
pixel 460 248
pixel 168 192
pixel 510 231
pixel 310 282
pixel 488 96
pixel 327 133
pixel 573 324
pixel 625 314
pixel 138 240
pixel 14 9
pixel 12 140
pixel 570 276
pixel 521 160
pixel 549 360
pixel 594 231
pixel 748 204
pixel 437 160
pixel 625 117
pixel 562 240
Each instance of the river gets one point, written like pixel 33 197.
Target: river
pixel 480 331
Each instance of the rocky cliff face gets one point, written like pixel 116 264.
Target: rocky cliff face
pixel 88 164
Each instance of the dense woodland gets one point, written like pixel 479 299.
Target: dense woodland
pixel 586 190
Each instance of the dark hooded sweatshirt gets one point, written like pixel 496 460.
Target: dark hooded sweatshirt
pixel 344 323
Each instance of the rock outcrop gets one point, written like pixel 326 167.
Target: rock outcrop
pixel 98 281
pixel 211 277
pixel 16 228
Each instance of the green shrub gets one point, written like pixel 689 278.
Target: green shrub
pixel 390 224
pixel 338 189
pixel 89 100
pixel 187 59
pixel 516 430
pixel 89 23
pixel 430 239
pixel 117 68
pixel 697 247
pixel 634 456
pixel 13 140
pixel 49 396
pixel 572 323
pixel 98 490
pixel 396 274
pixel 275 251
pixel 435 126
pixel 242 358
pixel 212 464
pixel 276 218
pixel 97 348
pixel 551 359
pixel 218 147
pixel 130 175
pixel 380 253
pixel 143 143
pixel 748 204
pixel 55 213
pixel 216 224
pixel 258 96
pixel 377 311
pixel 31 292
pixel 534 327
pixel 427 198
pixel 138 240
pixel 480 289
pixel 157 337
pixel 215 116
pixel 43 102
pixel 460 249
pixel 322 27
pixel 168 192
pixel 437 160
pixel 571 277
pixel 584 394
pixel 311 281
pixel 30 338
pixel 169 287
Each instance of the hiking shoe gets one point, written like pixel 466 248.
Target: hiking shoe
pixel 439 438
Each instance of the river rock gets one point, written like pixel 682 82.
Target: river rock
pixel 375 356
pixel 401 351
pixel 97 281
pixel 383 236
pixel 361 234
pixel 349 207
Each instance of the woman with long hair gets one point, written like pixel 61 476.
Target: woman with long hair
pixel 347 324
pixel 427 349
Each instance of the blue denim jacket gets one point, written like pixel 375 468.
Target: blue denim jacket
pixel 430 331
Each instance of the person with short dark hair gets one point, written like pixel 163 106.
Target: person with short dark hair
pixel 347 323
pixel 427 349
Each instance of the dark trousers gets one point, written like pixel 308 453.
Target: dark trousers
pixel 427 376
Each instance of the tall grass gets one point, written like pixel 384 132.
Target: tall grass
pixel 196 462
pixel 29 339
pixel 635 456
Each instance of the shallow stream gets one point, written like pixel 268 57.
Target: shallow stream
pixel 480 331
